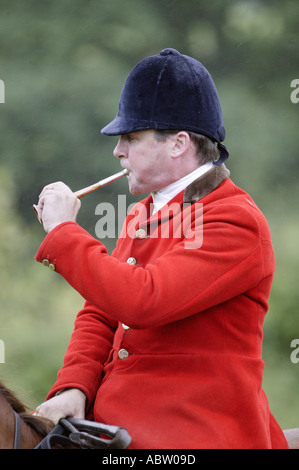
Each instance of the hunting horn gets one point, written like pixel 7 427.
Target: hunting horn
pixel 89 189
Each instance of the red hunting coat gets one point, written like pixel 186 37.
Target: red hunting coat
pixel 169 342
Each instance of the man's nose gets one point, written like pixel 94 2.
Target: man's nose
pixel 119 151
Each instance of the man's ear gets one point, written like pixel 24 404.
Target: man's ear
pixel 181 143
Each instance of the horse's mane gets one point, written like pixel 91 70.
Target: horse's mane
pixel 39 425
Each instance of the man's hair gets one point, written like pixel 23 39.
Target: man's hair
pixel 206 149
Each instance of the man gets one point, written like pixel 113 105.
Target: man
pixel 168 344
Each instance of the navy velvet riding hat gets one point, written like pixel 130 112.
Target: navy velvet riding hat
pixel 170 91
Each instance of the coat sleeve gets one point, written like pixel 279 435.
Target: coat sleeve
pixel 235 255
pixel 87 352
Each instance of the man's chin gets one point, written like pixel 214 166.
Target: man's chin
pixel 136 191
pixel 137 188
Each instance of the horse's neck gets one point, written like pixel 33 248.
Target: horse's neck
pixel 29 438
pixel 7 425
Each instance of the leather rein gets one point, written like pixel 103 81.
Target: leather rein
pixel 17 437
pixel 79 433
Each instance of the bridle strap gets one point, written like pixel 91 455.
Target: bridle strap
pixel 17 437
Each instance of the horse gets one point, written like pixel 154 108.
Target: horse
pixel 23 430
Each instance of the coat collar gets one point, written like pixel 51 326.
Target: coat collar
pixel 205 184
pixel 199 188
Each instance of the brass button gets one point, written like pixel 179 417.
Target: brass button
pixel 123 354
pixel 140 233
pixel 125 327
pixel 45 262
pixel 52 266
pixel 131 260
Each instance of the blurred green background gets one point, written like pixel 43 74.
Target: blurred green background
pixel 63 64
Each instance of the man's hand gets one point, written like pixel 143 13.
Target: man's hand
pixel 57 204
pixel 70 402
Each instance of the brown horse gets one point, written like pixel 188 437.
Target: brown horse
pixel 33 428
pixel 22 430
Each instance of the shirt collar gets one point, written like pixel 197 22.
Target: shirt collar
pixel 163 196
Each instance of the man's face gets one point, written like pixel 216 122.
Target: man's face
pixel 148 161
